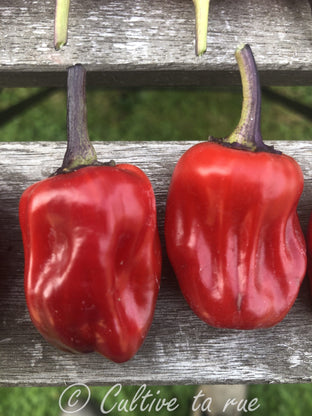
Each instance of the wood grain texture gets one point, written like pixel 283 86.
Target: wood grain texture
pixel 179 349
pixel 151 43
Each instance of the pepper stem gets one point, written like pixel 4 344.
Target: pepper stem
pixel 61 23
pixel 201 19
pixel 80 151
pixel 248 130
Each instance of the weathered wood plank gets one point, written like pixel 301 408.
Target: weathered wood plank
pixel 179 347
pixel 142 42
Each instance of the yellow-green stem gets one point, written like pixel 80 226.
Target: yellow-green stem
pixel 61 23
pixel 201 19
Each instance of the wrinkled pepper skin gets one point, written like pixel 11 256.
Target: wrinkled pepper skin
pixel 92 259
pixel 233 235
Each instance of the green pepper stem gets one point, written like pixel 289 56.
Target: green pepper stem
pixel 80 151
pixel 61 23
pixel 248 130
pixel 201 19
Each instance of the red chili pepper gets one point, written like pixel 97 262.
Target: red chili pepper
pixel 92 250
pixel 232 230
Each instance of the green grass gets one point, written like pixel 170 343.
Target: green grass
pixel 29 401
pixel 155 115
pixel 283 400
pixel 274 400
pixel 46 401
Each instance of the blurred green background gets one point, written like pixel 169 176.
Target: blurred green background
pixel 183 114
pixel 177 114
pixel 274 400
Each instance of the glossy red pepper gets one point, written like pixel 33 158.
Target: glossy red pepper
pixel 232 230
pixel 92 253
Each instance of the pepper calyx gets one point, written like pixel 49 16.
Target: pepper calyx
pixel 243 146
pixel 61 170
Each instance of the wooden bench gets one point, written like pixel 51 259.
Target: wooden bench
pixel 151 43
pixel 143 43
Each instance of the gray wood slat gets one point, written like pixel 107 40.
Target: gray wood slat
pixel 179 349
pixel 151 43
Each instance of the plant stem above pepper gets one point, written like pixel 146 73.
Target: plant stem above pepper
pixel 247 134
pixel 80 151
pixel 201 18
pixel 61 23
